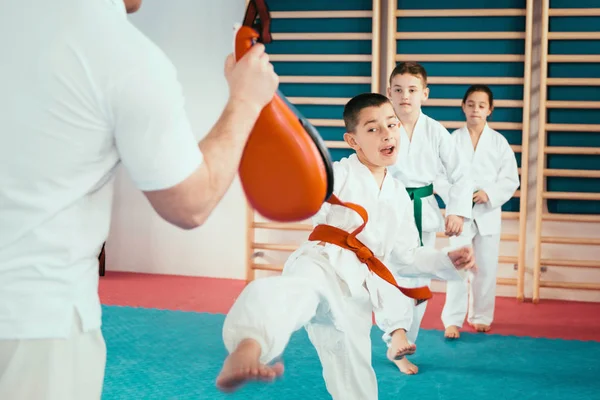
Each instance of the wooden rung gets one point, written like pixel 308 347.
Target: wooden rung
pixel 323 36
pixel 573 127
pixel 478 80
pixel 573 104
pixel 267 267
pixel 572 150
pixel 459 35
pixel 327 122
pixel 508 259
pixel 458 103
pixel 509 237
pixel 330 101
pixel 570 263
pixel 274 246
pixel 430 102
pixel 574 35
pixel 510 215
pixel 571 196
pixel 570 285
pixel 321 57
pixel 282 226
pixel 574 12
pixel 516 126
pixel 571 217
pixel 573 173
pixel 573 81
pixel 461 57
pixel 465 12
pixel 506 281
pixel 336 144
pixel 571 240
pixel 573 58
pixel 324 79
pixel 321 14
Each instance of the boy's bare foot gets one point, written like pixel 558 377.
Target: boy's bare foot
pixel 400 346
pixel 406 367
pixel 481 327
pixel 243 365
pixel 452 332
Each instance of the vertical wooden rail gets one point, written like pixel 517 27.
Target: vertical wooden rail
pixel 541 156
pixel 391 39
pixel 376 46
pixel 524 189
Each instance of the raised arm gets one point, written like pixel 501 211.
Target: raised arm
pixel 182 179
pixel 409 259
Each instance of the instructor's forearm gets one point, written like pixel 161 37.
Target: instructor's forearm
pixel 190 203
pixel 222 149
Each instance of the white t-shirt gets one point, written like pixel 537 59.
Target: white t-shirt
pixel 81 90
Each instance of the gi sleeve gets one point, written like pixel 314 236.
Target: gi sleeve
pixel 507 181
pixel 460 192
pixel 152 133
pixel 409 259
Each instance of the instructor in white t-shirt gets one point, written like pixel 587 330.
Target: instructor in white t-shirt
pixel 82 90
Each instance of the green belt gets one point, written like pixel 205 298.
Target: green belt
pixel 416 194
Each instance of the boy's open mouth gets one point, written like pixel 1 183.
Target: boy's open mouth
pixel 388 151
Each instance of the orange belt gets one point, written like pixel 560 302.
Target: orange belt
pixel 331 234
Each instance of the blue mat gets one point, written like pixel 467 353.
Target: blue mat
pixel 157 354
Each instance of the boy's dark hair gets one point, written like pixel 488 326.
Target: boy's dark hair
pixel 411 68
pixel 479 88
pixel 353 108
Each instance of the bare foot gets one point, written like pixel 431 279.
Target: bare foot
pixel 481 327
pixel 452 332
pixel 400 346
pixel 406 367
pixel 243 365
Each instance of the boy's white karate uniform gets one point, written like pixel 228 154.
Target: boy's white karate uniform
pixel 493 167
pixel 418 166
pixel 330 292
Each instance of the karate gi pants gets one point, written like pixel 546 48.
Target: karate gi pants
pixel 479 297
pixel 309 294
pixel 53 369
pixel 402 313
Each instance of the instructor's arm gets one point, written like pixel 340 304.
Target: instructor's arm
pixel 207 170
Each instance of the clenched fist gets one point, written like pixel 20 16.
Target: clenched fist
pixel 462 258
pixel 454 225
pixel 252 80
pixel 480 197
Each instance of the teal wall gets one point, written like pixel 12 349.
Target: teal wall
pixel 574 116
pixel 466 69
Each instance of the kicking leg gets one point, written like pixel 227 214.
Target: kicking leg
pixel 260 323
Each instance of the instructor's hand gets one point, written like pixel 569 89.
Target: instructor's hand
pixel 252 80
